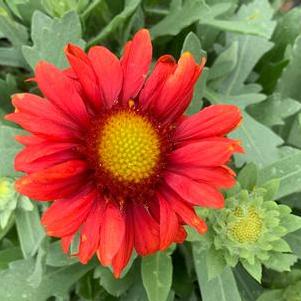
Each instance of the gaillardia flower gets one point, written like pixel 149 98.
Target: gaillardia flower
pixel 111 147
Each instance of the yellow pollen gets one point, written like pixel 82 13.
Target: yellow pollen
pixel 129 147
pixel 248 227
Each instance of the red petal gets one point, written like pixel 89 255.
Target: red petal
pixel 90 232
pixel 43 155
pixel 220 177
pixel 177 90
pixel 123 256
pixel 111 233
pixel 60 90
pixel 186 212
pixel 109 73
pixel 181 235
pixel 29 140
pixel 65 216
pixel 56 182
pixel 39 116
pixel 196 193
pixel 152 89
pixel 208 152
pixel 135 63
pixel 147 234
pixel 169 224
pixel 215 120
pixel 37 106
pixel 85 74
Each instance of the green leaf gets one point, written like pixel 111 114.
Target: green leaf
pixel 232 89
pixel 156 271
pixel 17 35
pixel 8 149
pixel 55 282
pixel 118 20
pixel 287 170
pixel 8 255
pixel 259 142
pixel 281 262
pixel 294 135
pixel 247 57
pixel 56 257
pixel 135 293
pixel 216 263
pixel 222 288
pixel 8 86
pixel 181 17
pixel 254 18
pixel 249 289
pixel 272 295
pixel 50 36
pixel 24 9
pixel 294 240
pixel 113 286
pixel 274 110
pixel 272 187
pixel 30 231
pixel 247 177
pixel 289 83
pixel 255 269
pixel 35 278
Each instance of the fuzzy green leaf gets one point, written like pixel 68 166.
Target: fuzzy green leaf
pixel 294 240
pixel 281 262
pixel 275 109
pixel 247 177
pixel 254 18
pixel 272 295
pixel 115 287
pixel 287 170
pixel 50 36
pixel 8 255
pixel 216 264
pixel 182 17
pixel 14 286
pixel 56 257
pixel 30 231
pixel 255 269
pixel 248 287
pixel 289 83
pixel 222 288
pixel 8 149
pixel 260 143
pixel 129 9
pixel 17 35
pixel 156 272
pixel 8 86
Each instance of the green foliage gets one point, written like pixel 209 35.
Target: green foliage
pixel 156 271
pixel 253 51
pixel 50 36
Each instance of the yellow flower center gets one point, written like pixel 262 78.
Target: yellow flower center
pixel 129 147
pixel 5 187
pixel 248 227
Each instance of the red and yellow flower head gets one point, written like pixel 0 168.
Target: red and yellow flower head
pixel 110 145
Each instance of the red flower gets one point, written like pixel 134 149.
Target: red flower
pixel 112 148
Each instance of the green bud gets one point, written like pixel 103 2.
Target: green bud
pixel 10 200
pixel 251 229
